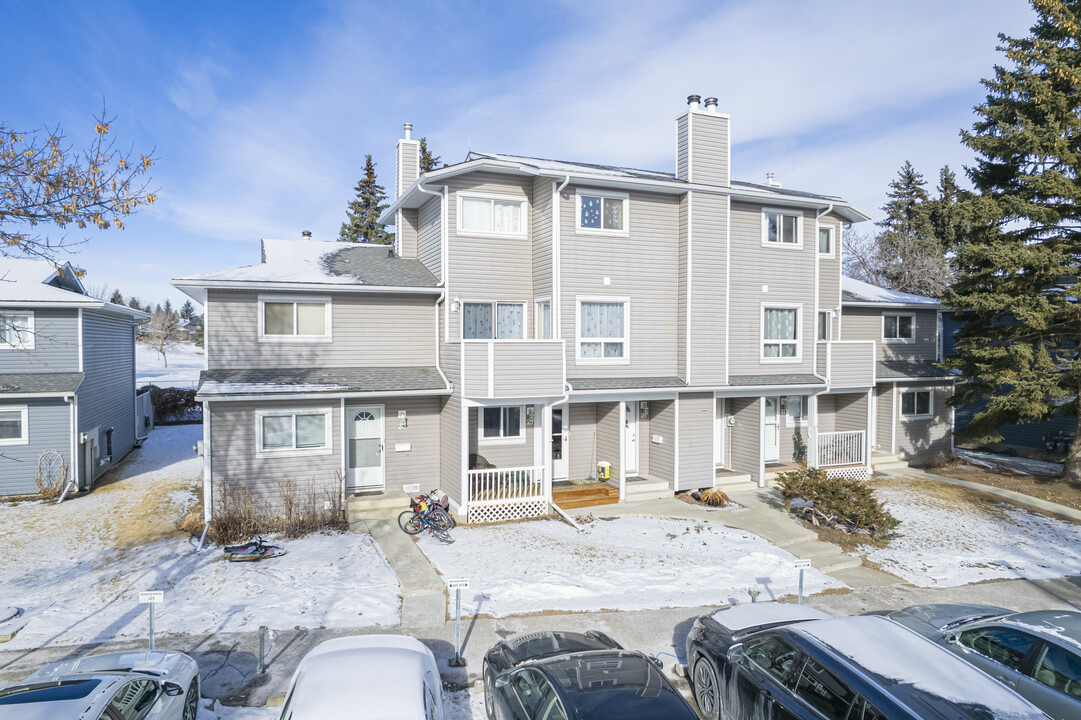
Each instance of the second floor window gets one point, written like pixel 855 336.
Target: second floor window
pixel 780 333
pixel 17 330
pixel 543 319
pixel 602 212
pixel 493 321
pixel 492 216
pixel 825 241
pixel 781 228
pixel 602 330
pixel 823 332
pixel 294 319
pixel 899 327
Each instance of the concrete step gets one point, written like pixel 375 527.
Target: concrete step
pixel 882 458
pixel 891 468
pixel 647 490
pixel 379 505
pixel 741 482
pixel 836 562
pixel 812 549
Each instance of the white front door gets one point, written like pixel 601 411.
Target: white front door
pixel 559 445
pixel 364 455
pixel 630 438
pixel 772 431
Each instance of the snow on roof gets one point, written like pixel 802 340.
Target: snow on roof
pixel 748 615
pixel 857 291
pixel 575 167
pixel 24 280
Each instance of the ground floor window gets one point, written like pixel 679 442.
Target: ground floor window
pixel 13 426
pixel 501 423
pixel 292 431
pixel 796 411
pixel 916 403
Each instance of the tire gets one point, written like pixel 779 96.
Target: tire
pixel 410 522
pixel 706 689
pixel 440 519
pixel 191 701
pixel 489 692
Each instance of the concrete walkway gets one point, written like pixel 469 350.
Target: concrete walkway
pixel 424 596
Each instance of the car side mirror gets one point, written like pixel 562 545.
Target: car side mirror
pixel 735 653
pixel 502 681
pixel 172 689
pixel 657 661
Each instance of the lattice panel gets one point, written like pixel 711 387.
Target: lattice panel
pixel 858 472
pixel 486 512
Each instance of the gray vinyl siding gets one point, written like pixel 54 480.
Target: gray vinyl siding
pixel 921 441
pixel 788 275
pixel 829 274
pixel 407 233
pixel 821 350
pixel 884 418
pixel 367 331
pixel 695 441
pixel 826 420
pixel 430 236
pixel 419 464
pixel 863 323
pixel 107 393
pixel 409 170
pixel 642 267
pixel 49 421
pixel 233 453
pixel 609 437
pixel 708 148
pixel 709 229
pixel 682 278
pixel 850 412
pixel 56 343
pixel 582 436
pixel 519 453
pixel 851 365
pixel 682 147
pixel 746 435
pixel 662 455
pixel 519 370
pixel 541 236
pixel 450 422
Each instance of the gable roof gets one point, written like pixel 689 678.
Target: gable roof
pixel 858 293
pixel 30 282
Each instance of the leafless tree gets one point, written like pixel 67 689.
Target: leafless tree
pixel 162 333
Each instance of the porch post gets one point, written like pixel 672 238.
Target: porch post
pixel 867 432
pixel 812 431
pixel 623 450
pixel 463 418
pixel 762 441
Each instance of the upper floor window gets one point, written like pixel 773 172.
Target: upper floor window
pixel 602 330
pixel 291 319
pixel 289 432
pixel 825 240
pixel 780 333
pixel 898 327
pixel 781 227
pixel 493 321
pixel 17 330
pixel 542 315
pixel 823 330
pixel 501 423
pixel 491 216
pixel 13 425
pixel 602 212
pixel 916 404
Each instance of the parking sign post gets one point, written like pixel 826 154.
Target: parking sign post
pixel 457 585
pixel 801 565
pixel 151 598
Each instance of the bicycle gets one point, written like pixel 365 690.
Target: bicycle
pixel 425 514
pixel 253 551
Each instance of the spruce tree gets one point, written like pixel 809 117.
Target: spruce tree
pixel 117 298
pixel 187 311
pixel 362 218
pixel 428 162
pixel 910 256
pixel 1015 288
pixel 945 211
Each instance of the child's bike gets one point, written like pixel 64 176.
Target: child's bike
pixel 423 514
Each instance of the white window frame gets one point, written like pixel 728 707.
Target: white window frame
pixel 493 198
pixel 27 343
pixel 829 322
pixel 518 439
pixel 495 319
pixel 762 334
pixel 625 197
pixel 898 315
pixel 578 339
pixel 328 316
pixel 294 451
pixel 804 402
pixel 766 242
pixel 833 240
pixel 537 304
pixel 930 403
pixel 24 424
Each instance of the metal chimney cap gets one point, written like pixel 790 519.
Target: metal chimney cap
pixel 306 234
pixel 693 100
pixel 711 104
pixel 408 131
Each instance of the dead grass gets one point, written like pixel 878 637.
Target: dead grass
pixel 1044 487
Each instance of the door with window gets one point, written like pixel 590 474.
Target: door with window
pixel 559 446
pixel 771 431
pixel 630 438
pixel 364 462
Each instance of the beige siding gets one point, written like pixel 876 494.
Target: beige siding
pixel 851 412
pixel 515 369
pixel 367 330
pixel 921 441
pixel 851 364
pixel 406 232
pixel 827 409
pixel 450 448
pixel 420 463
pixel 582 437
pixel 430 236
pixel 641 267
pixel 788 276
pixel 695 441
pixel 682 147
pixel 829 274
pixel 884 418
pixel 518 453
pixel 709 228
pixel 643 447
pixel 409 169
pixel 746 435
pixel 541 236
pixel 609 437
pixel 708 148
pixel 861 323
pixel 662 455
pixel 682 278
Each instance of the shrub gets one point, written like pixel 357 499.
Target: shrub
pixel 713 497
pixel 174 406
pixel 843 503
pixel 49 488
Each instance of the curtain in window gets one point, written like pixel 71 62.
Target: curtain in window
pixel 277 318
pixel 477 321
pixel 602 320
pixel 311 431
pixel 277 432
pixel 772 230
pixel 613 214
pixel 591 211
pixel 311 319
pixel 780 324
pixel 507 217
pixel 476 214
pixel 11 425
pixel 510 321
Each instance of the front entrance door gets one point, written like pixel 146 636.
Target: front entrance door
pixel 364 460
pixel 559 446
pixel 630 438
pixel 772 431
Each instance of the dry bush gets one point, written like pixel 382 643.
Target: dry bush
pixel 714 497
pixel 238 517
pixel 191 521
pixel 47 491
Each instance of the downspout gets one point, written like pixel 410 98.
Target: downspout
pixel 557 283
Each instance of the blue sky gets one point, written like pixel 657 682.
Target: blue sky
pixel 260 113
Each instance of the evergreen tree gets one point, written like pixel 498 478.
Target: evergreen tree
pixel 362 217
pixel 428 162
pixel 167 307
pixel 133 302
pixel 910 256
pixel 187 311
pixel 1016 289
pixel 117 298
pixel 946 211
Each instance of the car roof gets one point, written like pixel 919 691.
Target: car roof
pixel 385 670
pixel 748 615
pixel 1061 625
pixel 913 670
pixel 73 697
pixel 546 643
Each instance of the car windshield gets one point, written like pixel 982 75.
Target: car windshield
pixel 48 692
pixel 546 644
pixel 619 687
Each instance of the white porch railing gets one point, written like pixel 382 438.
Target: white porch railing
pixel 842 448
pixel 507 493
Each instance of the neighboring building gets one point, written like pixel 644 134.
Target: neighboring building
pixel 537 318
pixel 67 377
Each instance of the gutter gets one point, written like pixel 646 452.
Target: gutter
pixel 181 283
pixel 244 397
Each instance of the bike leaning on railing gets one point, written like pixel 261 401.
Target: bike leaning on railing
pixel 426 513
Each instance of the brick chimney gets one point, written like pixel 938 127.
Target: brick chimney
pixel 702 145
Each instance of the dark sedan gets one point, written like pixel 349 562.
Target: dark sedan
pixel 573 676
pixel 1038 654
pixel 788 662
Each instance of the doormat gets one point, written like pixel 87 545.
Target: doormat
pixel 586 481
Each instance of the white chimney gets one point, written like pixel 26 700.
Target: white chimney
pixel 711 104
pixel 306 235
pixel 771 182
pixel 692 101
pixel 409 131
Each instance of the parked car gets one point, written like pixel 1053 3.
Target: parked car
pixel 1038 654
pixel 377 677
pixel 574 676
pixel 772 661
pixel 158 685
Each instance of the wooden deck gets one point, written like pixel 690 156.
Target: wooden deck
pixel 572 495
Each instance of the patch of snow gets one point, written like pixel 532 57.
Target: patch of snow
pixel 1019 465
pixel 740 617
pixel 865 292
pixel 64 565
pixel 224 388
pixel 955 542
pixel 623 564
pixel 214 710
pixel 285 261
pixel 186 361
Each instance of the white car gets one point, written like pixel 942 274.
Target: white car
pixel 377 677
pixel 158 685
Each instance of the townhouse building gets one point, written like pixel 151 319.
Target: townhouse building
pixel 541 323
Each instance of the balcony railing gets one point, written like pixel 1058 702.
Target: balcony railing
pixel 842 448
pixel 513 368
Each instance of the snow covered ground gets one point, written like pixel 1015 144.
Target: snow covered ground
pixel 1018 465
pixel 955 539
pixel 185 364
pixel 457 705
pixel 76 569
pixel 622 564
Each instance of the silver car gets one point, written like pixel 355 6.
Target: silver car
pixel 156 685
pixel 1038 654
